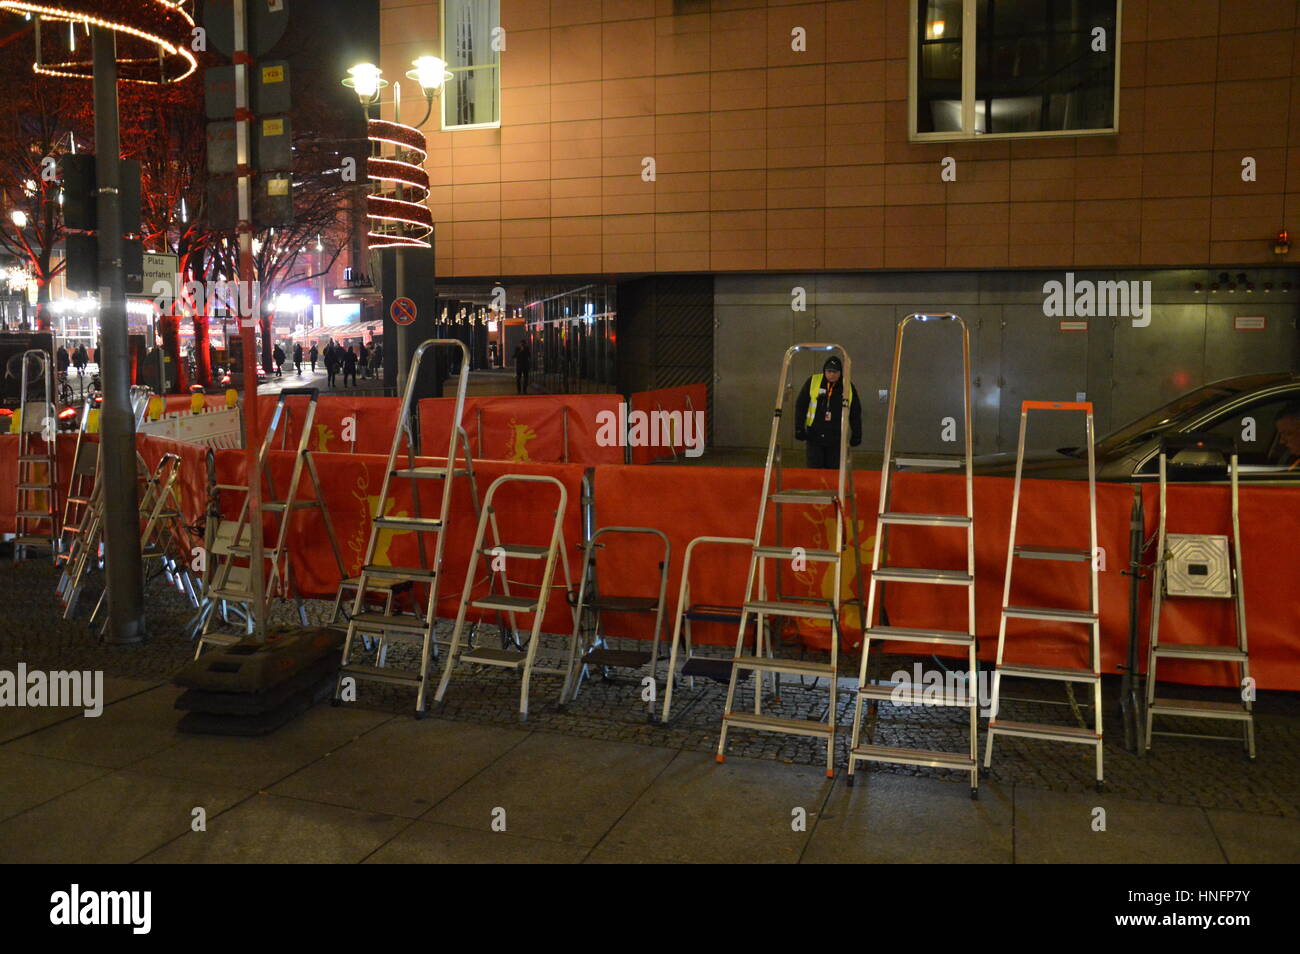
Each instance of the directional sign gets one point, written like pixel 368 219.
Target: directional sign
pixel 403 311
pixel 267 20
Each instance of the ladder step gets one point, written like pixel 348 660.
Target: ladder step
pixel 623 604
pixel 43 488
pixel 885 753
pixel 518 551
pixel 507 659
pixel 785 553
pixel 428 473
pixel 420 524
pixel 786 608
pixel 517 604
pixel 904 574
pixel 708 613
pixel 804 667
pixel 379 674
pixel 1201 709
pixel 380 584
pixel 619 658
pixel 231 594
pixel 28 541
pixel 79 501
pixel 1037 730
pixel 1067 554
pixel 33 459
pixel 908 634
pixel 910 695
pixel 1059 673
pixel 34 515
pixel 767 723
pixel 1186 651
pixel 799 496
pixel 718 670
pixel 1043 612
pixel 399 573
pixel 279 506
pixel 381 621
pixel 927 519
pixel 941 461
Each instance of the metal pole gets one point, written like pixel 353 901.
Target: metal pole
pixel 249 323
pixel 1129 682
pixel 124 570
pixel 405 343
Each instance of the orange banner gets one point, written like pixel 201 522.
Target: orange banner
pixel 531 428
pixel 342 423
pixel 690 399
pixel 67 444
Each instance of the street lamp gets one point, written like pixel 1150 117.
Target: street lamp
pixel 431 73
pixel 366 80
pixel 19 218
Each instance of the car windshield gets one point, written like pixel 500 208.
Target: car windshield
pixel 1187 406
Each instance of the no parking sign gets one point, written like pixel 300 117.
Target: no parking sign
pixel 403 311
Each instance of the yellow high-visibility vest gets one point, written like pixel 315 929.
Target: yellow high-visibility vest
pixel 815 385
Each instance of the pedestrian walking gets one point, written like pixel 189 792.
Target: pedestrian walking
pixel 314 355
pixel 80 359
pixel 297 358
pixel 350 366
pixel 363 360
pixel 818 411
pixel 278 355
pixel 523 364
pixel 331 362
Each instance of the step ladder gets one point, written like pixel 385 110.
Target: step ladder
pixel 1087 618
pixel 37 520
pixel 594 648
pixel 762 609
pixel 81 483
pixel 163 547
pixel 372 618
pixel 1199 566
pixel 521 659
pixel 870 694
pixel 716 668
pixel 230 588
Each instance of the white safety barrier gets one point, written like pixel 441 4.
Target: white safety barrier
pixel 218 429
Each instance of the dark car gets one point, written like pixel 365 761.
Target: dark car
pixel 1243 408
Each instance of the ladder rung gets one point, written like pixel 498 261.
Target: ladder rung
pixel 1037 730
pixel 908 634
pixel 519 551
pixel 786 608
pixel 708 667
pixel 400 572
pixel 34 459
pixel 279 506
pixel 380 584
pixel 927 519
pixel 1043 612
pixel 483 656
pixel 428 473
pixel 1068 554
pixel 231 594
pixel 619 658
pixel 1186 651
pixel 379 674
pixel 786 553
pixel 382 621
pixel 623 604
pixel 1201 709
pixel 802 497
pixel 35 515
pixel 767 723
pixel 42 488
pixel 79 501
pixel 885 753
pixel 28 541
pixel 910 695
pixel 1059 673
pixel 515 604
pixel 804 667
pixel 944 461
pixel 421 524
pixel 902 574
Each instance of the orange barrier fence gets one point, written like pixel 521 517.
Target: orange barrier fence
pixel 696 501
pixel 530 428
pixel 351 485
pixel 67 445
pixel 680 401
pixel 343 423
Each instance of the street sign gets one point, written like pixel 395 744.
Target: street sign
pixel 273 143
pixel 271 87
pixel 403 311
pixel 156 267
pixel 267 20
pixel 219 92
pixel 222 148
pixel 273 200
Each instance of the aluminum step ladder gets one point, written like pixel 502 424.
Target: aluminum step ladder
pixel 594 647
pixel 229 590
pixel 1199 566
pixel 520 658
pixel 37 519
pixel 762 609
pixel 870 694
pixel 162 537
pixel 715 668
pixel 82 481
pixel 380 583
pixel 1088 618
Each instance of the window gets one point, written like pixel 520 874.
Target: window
pixel 1014 68
pixel 471 44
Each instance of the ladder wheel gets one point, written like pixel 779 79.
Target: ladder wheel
pixel 974 794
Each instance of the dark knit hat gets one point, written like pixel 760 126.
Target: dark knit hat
pixel 833 364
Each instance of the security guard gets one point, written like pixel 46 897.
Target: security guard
pixel 817 414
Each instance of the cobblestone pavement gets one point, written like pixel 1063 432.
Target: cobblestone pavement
pixel 1193 772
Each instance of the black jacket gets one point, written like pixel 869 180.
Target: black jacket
pixel 822 431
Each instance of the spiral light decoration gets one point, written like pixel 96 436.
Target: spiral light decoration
pixel 396 210
pixel 153 37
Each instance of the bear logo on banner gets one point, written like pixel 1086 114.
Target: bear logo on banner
pixel 520 435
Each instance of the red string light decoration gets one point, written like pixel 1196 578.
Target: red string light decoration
pixel 396 210
pixel 153 37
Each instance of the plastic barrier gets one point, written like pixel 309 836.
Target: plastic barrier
pixel 343 423
pixel 688 399
pixel 538 428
